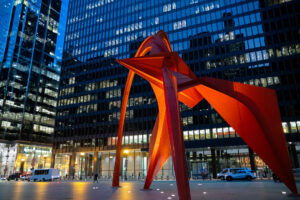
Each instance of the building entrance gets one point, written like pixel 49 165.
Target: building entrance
pixel 199 170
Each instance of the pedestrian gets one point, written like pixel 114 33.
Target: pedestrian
pixel 260 174
pixel 275 178
pixel 96 178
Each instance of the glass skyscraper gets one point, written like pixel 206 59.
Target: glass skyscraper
pixel 255 42
pixel 29 82
pixel 5 14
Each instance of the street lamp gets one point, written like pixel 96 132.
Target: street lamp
pixel 126 162
pixel 81 158
pixel 45 157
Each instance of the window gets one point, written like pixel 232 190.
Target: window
pixel 293 127
pixel 185 135
pixel 202 134
pixel 191 136
pixel 214 133
pixel 285 127
pixel 197 136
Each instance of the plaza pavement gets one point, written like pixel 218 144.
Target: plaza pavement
pixel 161 190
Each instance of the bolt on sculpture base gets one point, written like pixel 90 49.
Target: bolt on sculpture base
pixel 252 111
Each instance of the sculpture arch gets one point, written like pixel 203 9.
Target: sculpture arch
pixel 252 111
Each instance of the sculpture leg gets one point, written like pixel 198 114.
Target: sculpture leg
pixel 159 153
pixel 176 136
pixel 121 127
pixel 159 147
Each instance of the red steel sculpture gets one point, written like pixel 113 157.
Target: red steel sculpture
pixel 252 111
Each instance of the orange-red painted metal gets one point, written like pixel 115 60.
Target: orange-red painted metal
pixel 252 111
pixel 159 147
pixel 175 134
pixel 121 127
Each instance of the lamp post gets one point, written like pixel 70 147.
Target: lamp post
pixel 45 157
pixel 81 158
pixel 126 162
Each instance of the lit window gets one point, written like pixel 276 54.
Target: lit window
pixel 140 139
pixel 220 132
pixel 231 132
pixel 197 137
pixel 207 133
pixel 185 135
pixel 135 139
pixel 214 133
pixel 174 5
pixel 285 127
pixel 276 80
pixel 202 134
pixel 145 138
pixel 191 136
pixel 156 20
pixel 293 127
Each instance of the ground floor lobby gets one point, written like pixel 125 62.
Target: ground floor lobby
pixel 23 157
pixel 203 163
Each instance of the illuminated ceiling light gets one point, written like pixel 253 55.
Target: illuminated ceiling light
pixel 126 151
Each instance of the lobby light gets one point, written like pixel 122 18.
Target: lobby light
pixel 126 151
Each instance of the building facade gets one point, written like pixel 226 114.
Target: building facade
pixel 29 82
pixel 255 42
pixel 5 14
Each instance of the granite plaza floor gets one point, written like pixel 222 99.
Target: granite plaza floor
pixel 206 190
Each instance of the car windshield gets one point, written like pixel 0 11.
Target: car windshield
pixel 224 171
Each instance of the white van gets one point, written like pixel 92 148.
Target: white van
pixel 44 175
